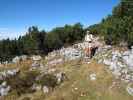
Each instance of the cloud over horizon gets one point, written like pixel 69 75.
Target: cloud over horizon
pixel 10 33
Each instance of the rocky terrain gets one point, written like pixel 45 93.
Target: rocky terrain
pixel 65 75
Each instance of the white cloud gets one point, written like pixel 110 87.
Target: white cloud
pixel 10 33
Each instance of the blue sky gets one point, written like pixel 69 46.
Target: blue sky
pixel 17 15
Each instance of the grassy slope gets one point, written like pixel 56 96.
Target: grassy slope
pixel 79 87
pixel 92 90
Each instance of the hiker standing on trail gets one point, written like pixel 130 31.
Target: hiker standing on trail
pixel 89 44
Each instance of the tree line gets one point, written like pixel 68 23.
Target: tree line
pixel 40 42
pixel 117 28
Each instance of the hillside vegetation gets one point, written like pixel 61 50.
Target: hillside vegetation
pixel 118 27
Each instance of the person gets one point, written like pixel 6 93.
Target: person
pixel 89 37
pixel 91 45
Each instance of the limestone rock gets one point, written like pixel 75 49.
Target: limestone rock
pixel 16 59
pixel 36 87
pixel 93 77
pixel 4 89
pixel 36 58
pixel 60 77
pixel 45 89
pixel 130 89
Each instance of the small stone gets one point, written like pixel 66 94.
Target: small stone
pixel 76 88
pixel 88 62
pixel 16 59
pixel 23 57
pixel 93 77
pixel 4 84
pixel 36 87
pixel 45 89
pixel 107 62
pixel 113 65
pixel 52 70
pixel 36 58
pixel 60 77
pixel 35 64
